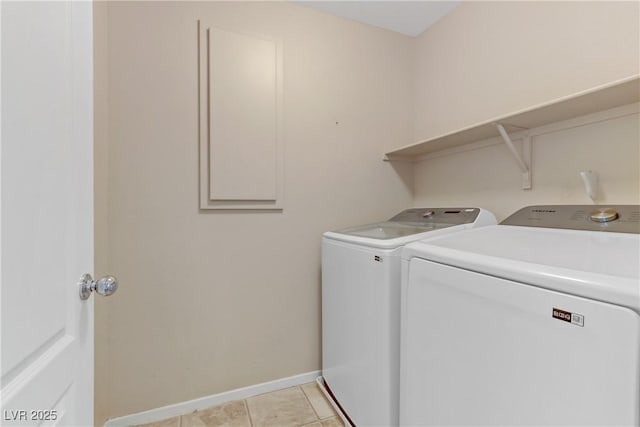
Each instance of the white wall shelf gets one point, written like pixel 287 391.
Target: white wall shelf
pixel 615 94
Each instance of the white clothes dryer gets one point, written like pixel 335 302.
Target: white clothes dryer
pixel 361 307
pixel 531 322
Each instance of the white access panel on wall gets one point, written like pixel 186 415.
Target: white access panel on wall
pixel 241 153
pixel 504 345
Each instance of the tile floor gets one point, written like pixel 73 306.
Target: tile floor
pixel 291 407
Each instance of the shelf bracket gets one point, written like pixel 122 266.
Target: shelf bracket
pixel 524 161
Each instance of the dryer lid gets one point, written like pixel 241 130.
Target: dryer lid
pixel 591 264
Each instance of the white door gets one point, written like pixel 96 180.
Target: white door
pixel 46 171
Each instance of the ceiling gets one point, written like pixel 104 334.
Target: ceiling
pixel 407 17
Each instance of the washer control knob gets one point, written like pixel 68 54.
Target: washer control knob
pixel 428 213
pixel 603 215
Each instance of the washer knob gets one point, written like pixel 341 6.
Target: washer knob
pixel 603 215
pixel 427 213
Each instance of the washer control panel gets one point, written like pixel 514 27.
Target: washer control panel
pixel 603 215
pixel 613 218
pixel 437 215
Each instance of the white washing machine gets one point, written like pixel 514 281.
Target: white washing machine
pixel 361 307
pixel 534 321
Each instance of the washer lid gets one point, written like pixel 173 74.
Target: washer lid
pixel 389 235
pixel 412 224
pixel 390 230
pixel 592 264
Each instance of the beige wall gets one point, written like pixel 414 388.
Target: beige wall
pixel 212 301
pixel 487 59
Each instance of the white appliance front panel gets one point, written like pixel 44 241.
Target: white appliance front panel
pixel 361 343
pixel 480 350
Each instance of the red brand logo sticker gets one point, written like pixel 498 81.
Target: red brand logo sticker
pixel 567 316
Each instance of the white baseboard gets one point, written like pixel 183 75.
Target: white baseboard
pixel 189 406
